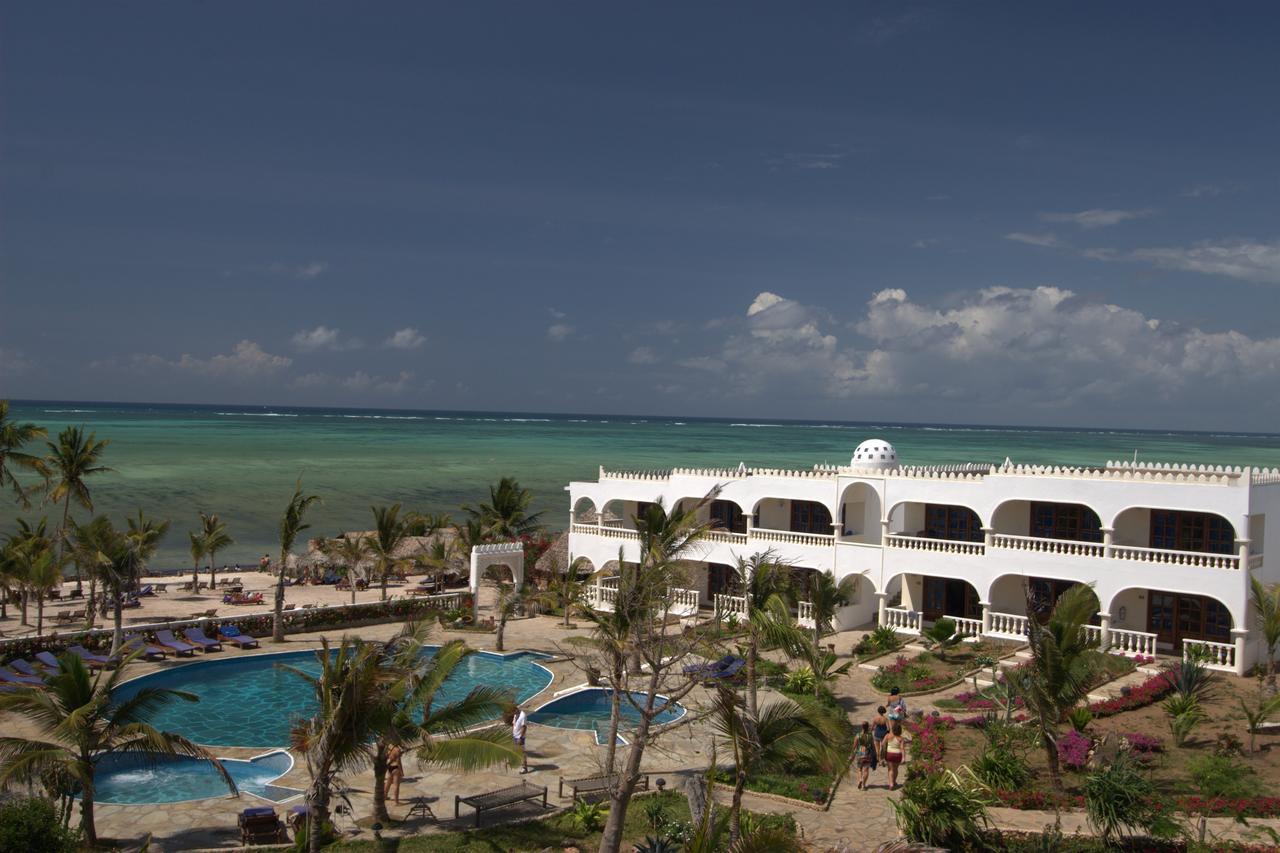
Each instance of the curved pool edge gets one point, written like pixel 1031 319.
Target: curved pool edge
pixel 227 796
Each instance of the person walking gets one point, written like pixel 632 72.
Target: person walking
pixel 893 750
pixel 864 754
pixel 519 725
pixel 879 728
pixel 897 706
pixel 395 771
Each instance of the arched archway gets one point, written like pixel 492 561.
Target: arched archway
pixel 1164 529
pixel 1073 522
pixel 1008 594
pixel 953 522
pixel 860 514
pixel 584 511
pixel 792 516
pixel 1172 616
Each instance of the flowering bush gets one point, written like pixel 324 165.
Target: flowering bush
pixel 1024 798
pixel 971 701
pixel 907 675
pixel 1138 742
pixel 928 743
pixel 979 721
pixel 1231 806
pixel 1147 693
pixel 1073 749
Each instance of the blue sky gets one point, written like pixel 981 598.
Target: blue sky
pixel 1003 213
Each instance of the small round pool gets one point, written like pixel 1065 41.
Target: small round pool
pixel 587 709
pixel 129 778
pixel 248 700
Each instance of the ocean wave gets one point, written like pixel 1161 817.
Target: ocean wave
pixel 525 420
pixel 256 414
pixel 67 411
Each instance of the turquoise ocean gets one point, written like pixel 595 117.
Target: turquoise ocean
pixel 175 460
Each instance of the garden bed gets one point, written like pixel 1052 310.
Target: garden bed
pixel 928 672
pixel 1108 668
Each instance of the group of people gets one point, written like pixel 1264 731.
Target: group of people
pixel 882 739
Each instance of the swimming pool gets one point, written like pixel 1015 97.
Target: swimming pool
pixel 249 701
pixel 589 710
pixel 128 779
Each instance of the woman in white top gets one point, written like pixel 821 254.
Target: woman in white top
pixel 519 723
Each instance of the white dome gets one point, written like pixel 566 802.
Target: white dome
pixel 874 453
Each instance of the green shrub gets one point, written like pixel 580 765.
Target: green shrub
pixel 942 810
pixel 587 817
pixel 801 681
pixel 1223 776
pixel 1120 798
pixel 1080 718
pixel 32 825
pixel 1001 769
pixel 1184 715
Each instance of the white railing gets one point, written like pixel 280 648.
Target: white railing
pixel 946 546
pixel 610 581
pixel 789 538
pixel 731 604
pixel 1216 655
pixel 579 527
pixel 683 602
pixel 1008 625
pixel 618 532
pixel 902 620
pixel 804 615
pixel 1255 561
pixel 1066 547
pixel 1092 633
pixel 1199 559
pixel 725 536
pixel 1127 642
pixel 968 627
pixel 601 597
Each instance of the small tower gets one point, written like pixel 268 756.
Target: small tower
pixel 874 453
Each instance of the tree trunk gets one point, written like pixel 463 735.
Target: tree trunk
pixel 213 572
pixel 62 542
pixel 117 636
pixel 317 812
pixel 384 583
pixel 620 797
pixel 502 627
pixel 751 675
pixel 25 594
pixel 195 579
pixel 277 615
pixel 86 817
pixel 39 615
pixel 735 809
pixel 91 606
pixel 380 812
pixel 1051 756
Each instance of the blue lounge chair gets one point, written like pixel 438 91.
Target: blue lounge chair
pixel 195 635
pixel 231 634
pixel 731 670
pixel 146 590
pixel 25 668
pixel 134 643
pixel 704 669
pixel 94 661
pixel 166 639
pixel 10 677
pixel 48 660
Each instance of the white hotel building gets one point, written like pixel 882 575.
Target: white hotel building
pixel 1169 549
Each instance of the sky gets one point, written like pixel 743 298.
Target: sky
pixel 1057 214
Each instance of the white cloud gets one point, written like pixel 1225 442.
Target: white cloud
pixel 13 363
pixel 1250 260
pixel 323 337
pixel 1034 239
pixel 406 339
pixel 246 360
pixel 642 355
pixel 303 272
pixel 359 382
pixel 559 331
pixel 1097 217
pixel 1203 191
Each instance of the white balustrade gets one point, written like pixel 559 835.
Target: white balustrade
pixel 725 536
pixel 804 615
pixel 682 602
pixel 1255 561
pixel 602 597
pixel 611 581
pixel 1008 625
pixel 730 604
pixel 1131 643
pixel 618 532
pixel 1199 559
pixel 902 620
pixel 1066 547
pixel 788 538
pixel 1092 633
pixel 1216 655
pixel 946 546
pixel 966 626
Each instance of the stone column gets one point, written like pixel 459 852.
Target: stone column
pixel 884 532
pixel 1105 620
pixel 1107 533
pixel 986 617
pixel 987 533
pixel 1243 546
pixel 1240 636
pixel 880 607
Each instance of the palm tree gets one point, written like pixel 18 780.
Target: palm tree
pixel 770 741
pixel 197 545
pixel 1058 674
pixel 214 533
pixel 42 574
pixel 511 599
pixel 564 590
pixel 506 514
pixel 21 548
pixel 766 585
pixel 467 535
pixel 1265 600
pixel 942 635
pixel 121 558
pixel 389 533
pixel 13 437
pixel 347 552
pixel 827 596
pixel 78 723
pixel 70 463
pixel 291 525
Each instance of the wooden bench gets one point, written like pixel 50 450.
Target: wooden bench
pixel 501 798
pixel 595 785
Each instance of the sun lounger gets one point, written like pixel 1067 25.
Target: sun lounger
pixel 500 798
pixel 208 614
pixel 64 618
pixel 231 634
pixel 147 590
pixel 727 667
pixel 134 643
pixel 166 639
pixel 289 607
pixel 10 677
pixel 261 825
pixel 23 667
pixel 48 660
pixel 704 668
pixel 195 635
pixel 596 787
pixel 162 587
pixel 94 661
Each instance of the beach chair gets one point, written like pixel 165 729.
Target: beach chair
pixel 48 660
pixel 162 587
pixel 166 639
pixel 55 594
pixel 134 643
pixel 208 614
pixel 25 668
pixel 208 644
pixel 289 607
pixel 64 618
pixel 147 590
pixel 261 825
pixel 231 634
pixel 94 661
pixel 10 677
pixel 703 669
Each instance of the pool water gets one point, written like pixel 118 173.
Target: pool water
pixel 128 778
pixel 589 709
pixel 251 701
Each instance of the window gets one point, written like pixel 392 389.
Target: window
pixel 1175 530
pixel 957 523
pixel 1065 521
pixel 727 515
pixel 810 517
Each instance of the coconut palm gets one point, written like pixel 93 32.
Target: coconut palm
pixel 827 597
pixel 22 546
pixel 78 723
pixel 766 586
pixel 13 437
pixel 74 459
pixel 1265 600
pixel 196 543
pixel 214 533
pixel 41 575
pixel 511 599
pixel 347 552
pixel 120 558
pixel 389 533
pixel 1057 676
pixel 291 525
pixel 564 590
pixel 770 741
pixel 506 516
pixel 942 635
